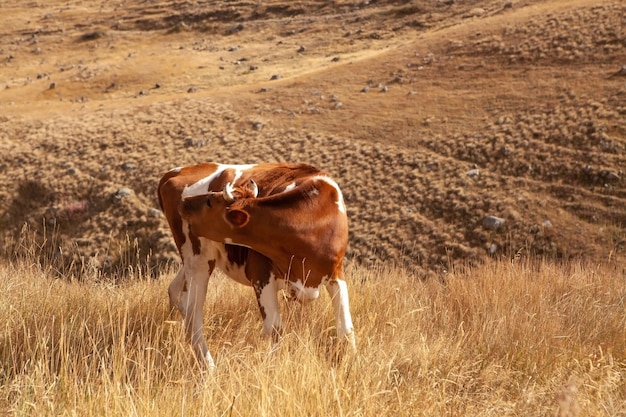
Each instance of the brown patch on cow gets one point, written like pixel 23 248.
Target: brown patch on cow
pixel 191 205
pixel 177 232
pixel 211 265
pixel 217 184
pixel 195 242
pixel 304 191
pixel 275 180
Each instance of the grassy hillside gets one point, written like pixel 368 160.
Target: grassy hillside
pixel 530 339
pixel 431 115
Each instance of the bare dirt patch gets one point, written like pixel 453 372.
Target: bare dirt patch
pixel 432 116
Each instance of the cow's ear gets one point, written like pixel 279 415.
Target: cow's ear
pixel 237 218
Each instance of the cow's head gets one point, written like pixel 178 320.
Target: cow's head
pixel 215 214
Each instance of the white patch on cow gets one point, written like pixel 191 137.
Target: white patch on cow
pixel 289 187
pixel 303 293
pixel 340 203
pixel 177 169
pixel 338 290
pixel 202 186
pixel 313 192
pixel 191 295
pixel 239 169
pixel 211 250
pixel 235 272
pixel 269 302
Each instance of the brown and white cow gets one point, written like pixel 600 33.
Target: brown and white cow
pixel 269 226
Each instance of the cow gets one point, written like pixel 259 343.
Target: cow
pixel 272 226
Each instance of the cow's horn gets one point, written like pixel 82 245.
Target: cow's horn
pixel 228 193
pixel 255 188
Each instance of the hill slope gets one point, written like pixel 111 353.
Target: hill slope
pixel 432 116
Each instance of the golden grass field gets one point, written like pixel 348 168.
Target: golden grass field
pixel 431 115
pixel 503 339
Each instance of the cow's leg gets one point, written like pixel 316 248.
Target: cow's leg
pixel 175 291
pixel 196 278
pixel 259 272
pixel 338 290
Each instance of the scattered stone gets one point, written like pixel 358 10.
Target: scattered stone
pixel 302 48
pixel 257 125
pixel 609 175
pixel 338 105
pixel 192 89
pixel 275 77
pixel 365 89
pixel 476 12
pixel 493 248
pixel 233 49
pixel 335 59
pixel 253 68
pixel 53 86
pixel 152 212
pixel 193 143
pixel 492 222
pixel 473 173
pixel 383 89
pixel 128 166
pixel 507 5
pixel 122 193
pixel 234 29
pixel 91 36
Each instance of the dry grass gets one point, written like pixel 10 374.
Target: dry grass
pixel 502 339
